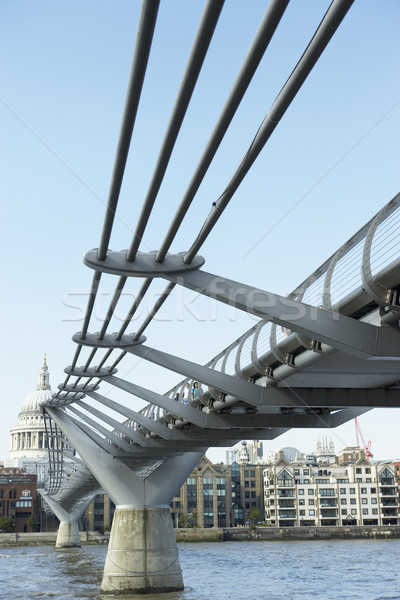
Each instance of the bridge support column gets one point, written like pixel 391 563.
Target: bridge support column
pixel 142 555
pixel 68 535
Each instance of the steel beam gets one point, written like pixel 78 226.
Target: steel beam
pixel 337 330
pixel 228 384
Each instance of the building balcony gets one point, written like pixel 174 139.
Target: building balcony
pixel 288 515
pixel 388 491
pixel 324 503
pixel 286 493
pixel 328 514
pixel 391 512
pixel 286 485
pixel 390 504
pixel 286 506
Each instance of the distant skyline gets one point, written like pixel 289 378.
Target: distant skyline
pixel 329 167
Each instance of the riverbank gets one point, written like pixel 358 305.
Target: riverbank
pixel 232 534
pixel 237 534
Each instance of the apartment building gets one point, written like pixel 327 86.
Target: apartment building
pixel 358 493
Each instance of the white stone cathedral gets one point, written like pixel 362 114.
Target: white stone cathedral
pixel 28 437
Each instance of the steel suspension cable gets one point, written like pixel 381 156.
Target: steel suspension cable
pixel 330 22
pixel 144 37
pixel 209 20
pixel 260 43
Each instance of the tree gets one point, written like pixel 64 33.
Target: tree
pixel 193 519
pixel 183 521
pixel 6 524
pixel 31 521
pixel 254 516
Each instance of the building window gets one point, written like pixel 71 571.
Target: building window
pixel 352 500
pixel 191 481
pixel 386 477
pixel 353 511
pixel 374 501
pixel 363 490
pixel 306 471
pixel 374 511
pixel 301 492
pixel 342 490
pixel 327 492
pixel 311 513
pixel 252 473
pixel 306 481
pixel 352 490
pixel 301 502
pixel 373 490
pixel 358 471
pixel 365 511
pixel 297 471
pixel 310 492
pixel 344 511
pixel 246 473
pixel 207 480
pixel 311 502
pixel 368 470
pixel 343 501
pixel 302 513
pixel 364 501
pixel 252 484
pixel 284 479
pixel 359 479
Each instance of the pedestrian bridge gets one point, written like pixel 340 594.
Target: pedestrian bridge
pixel 320 356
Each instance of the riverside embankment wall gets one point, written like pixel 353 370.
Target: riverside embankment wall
pixel 224 534
pixel 286 533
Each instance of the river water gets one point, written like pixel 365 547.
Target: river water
pixel 293 570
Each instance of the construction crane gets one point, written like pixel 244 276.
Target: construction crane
pixel 359 436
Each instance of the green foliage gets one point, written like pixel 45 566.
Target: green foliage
pixel 31 521
pixel 254 516
pixel 193 519
pixel 6 524
pixel 183 521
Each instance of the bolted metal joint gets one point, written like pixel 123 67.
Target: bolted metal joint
pixel 144 265
pixel 90 372
pixel 82 389
pixel 108 341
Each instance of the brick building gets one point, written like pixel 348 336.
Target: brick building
pixel 17 497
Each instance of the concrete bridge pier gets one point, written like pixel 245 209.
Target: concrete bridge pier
pixel 142 555
pixel 68 535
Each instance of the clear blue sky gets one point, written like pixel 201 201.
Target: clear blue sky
pixel 329 167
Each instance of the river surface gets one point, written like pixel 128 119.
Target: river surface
pixel 292 570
